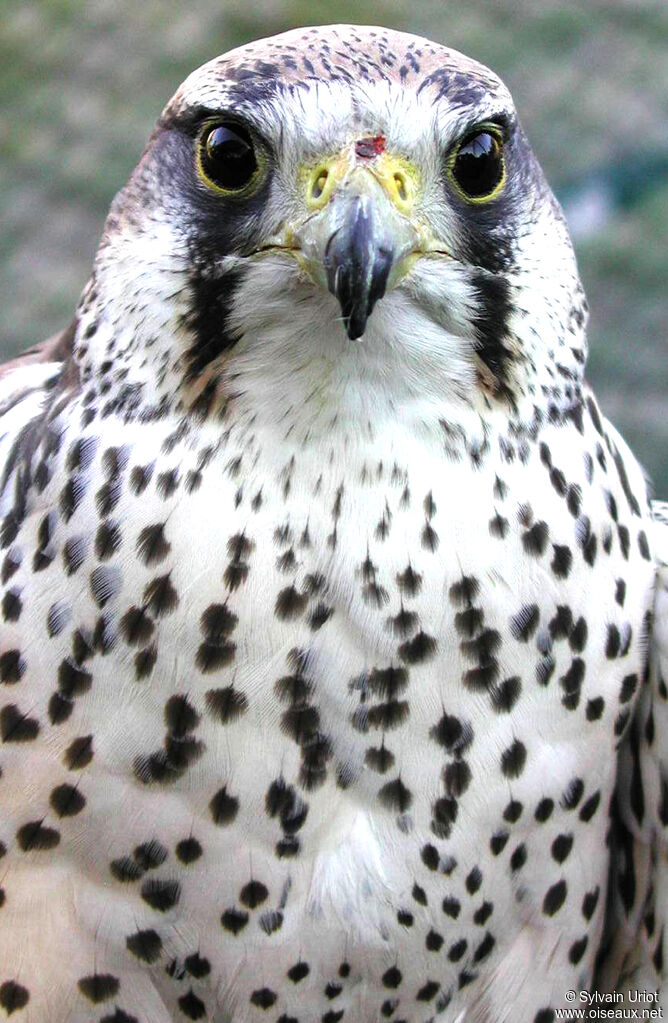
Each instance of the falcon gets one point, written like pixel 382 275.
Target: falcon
pixel 334 634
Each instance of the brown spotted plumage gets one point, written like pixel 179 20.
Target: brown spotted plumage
pixel 333 614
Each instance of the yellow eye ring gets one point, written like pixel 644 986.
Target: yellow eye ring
pixel 476 167
pixel 229 159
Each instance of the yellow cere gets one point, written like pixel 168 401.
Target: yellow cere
pixel 321 179
pixel 398 177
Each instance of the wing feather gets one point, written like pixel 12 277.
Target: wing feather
pixel 636 944
pixel 27 385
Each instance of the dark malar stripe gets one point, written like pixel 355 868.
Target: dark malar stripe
pixel 491 322
pixel 212 295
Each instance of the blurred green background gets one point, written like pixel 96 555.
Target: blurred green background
pixel 81 84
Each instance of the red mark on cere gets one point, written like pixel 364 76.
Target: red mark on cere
pixel 368 148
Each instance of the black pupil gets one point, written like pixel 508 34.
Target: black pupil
pixel 478 166
pixel 228 157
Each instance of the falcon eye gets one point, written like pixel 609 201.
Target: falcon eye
pixel 227 160
pixel 477 167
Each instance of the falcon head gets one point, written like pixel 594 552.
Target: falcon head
pixel 340 214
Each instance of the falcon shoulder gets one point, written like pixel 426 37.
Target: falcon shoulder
pixel 634 951
pixel 29 386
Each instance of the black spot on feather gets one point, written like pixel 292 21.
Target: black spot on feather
pixel 160 597
pixel 418 649
pixel 513 759
pixel 379 759
pixel 264 998
pixel 395 796
pixel 217 622
pixel 72 679
pixel 71 495
pixel 226 704
pixel 253 894
pixel 387 682
pixel 60 709
pixel 234 920
pixel 197 966
pixel 167 483
pixel 161 895
pixel 137 626
pixel 562 561
pixel 145 662
pixel 483 647
pixel 99 987
pixel 180 715
pixel 17 727
pixel 468 622
pixel 188 850
pixel 10 565
pixel 13 996
pixel 465 591
pixel 223 807
pixel 108 496
pixel 589 904
pixel 108 539
pixel 79 753
pixel 409 581
pixel 554 898
pixel 191 1006
pixel 74 553
pixel 388 715
pixel 572 794
pixel 505 695
pixel 431 988
pixel 212 656
pixel 66 801
pixel 452 734
pixel 403 623
pixel 35 836
pixel 300 722
pixel 482 676
pixel 534 540
pixel 145 945
pixel 105 582
pixel 290 603
pixel 140 477
pixel 152 547
pixel 12 605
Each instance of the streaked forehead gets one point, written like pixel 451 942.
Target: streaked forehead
pixel 343 55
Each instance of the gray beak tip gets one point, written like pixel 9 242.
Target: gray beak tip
pixel 358 260
pixel 355 327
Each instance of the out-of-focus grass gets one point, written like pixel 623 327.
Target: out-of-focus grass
pixel 82 81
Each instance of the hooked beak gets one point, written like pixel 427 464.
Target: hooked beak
pixel 358 257
pixel 359 234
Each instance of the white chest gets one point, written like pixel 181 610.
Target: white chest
pixel 371 691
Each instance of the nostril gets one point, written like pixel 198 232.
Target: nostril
pixel 319 182
pixel 400 185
